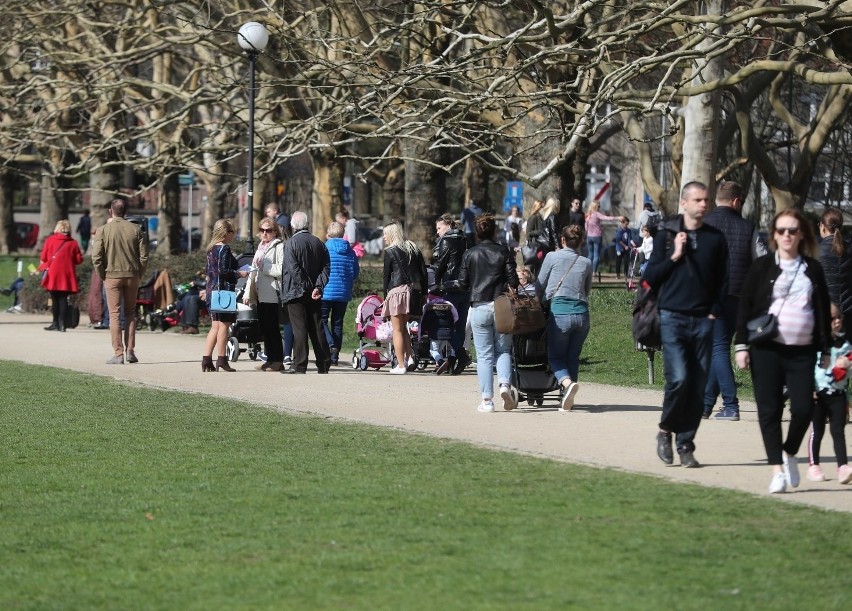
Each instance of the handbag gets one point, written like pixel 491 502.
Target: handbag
pixel 223 302
pixel 762 329
pixel 518 313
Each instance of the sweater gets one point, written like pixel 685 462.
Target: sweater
pixel 697 283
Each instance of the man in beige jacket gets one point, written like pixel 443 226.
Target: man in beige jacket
pixel 119 255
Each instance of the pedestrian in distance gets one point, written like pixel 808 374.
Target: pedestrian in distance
pixel 303 280
pixel 564 282
pixel 689 271
pixel 263 291
pixel 487 270
pixel 744 246
pixel 338 292
pixel 222 273
pixel 404 279
pixel 119 256
pixel 59 256
pixel 789 284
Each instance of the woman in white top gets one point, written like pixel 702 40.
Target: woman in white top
pixel 788 283
pixel 264 290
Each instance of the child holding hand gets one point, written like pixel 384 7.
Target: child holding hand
pixel 832 404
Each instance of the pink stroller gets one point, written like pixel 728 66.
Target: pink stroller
pixel 372 333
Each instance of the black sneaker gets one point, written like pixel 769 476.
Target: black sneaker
pixel 707 413
pixel 728 415
pixel 664 447
pixel 688 461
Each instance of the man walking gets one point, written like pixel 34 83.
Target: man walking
pixel 689 271
pixel 744 246
pixel 305 274
pixel 119 256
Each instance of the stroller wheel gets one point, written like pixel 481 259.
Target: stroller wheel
pixel 364 362
pixel 233 349
pixel 355 361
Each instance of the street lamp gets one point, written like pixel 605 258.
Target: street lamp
pixel 253 38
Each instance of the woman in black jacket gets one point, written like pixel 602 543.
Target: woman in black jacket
pixel 404 280
pixel 487 270
pixel 790 284
pixel 835 256
pixel 446 262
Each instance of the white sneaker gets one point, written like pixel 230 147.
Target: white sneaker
pixel 791 470
pixel 778 483
pixel 398 371
pixel 568 394
pixel 486 406
pixel 508 400
pixel 287 361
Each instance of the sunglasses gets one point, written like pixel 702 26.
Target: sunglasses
pixel 266 230
pixel 787 230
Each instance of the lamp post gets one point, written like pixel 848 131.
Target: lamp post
pixel 253 39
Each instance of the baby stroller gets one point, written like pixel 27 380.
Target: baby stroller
pixel 245 330
pixel 436 325
pixel 370 354
pixel 532 378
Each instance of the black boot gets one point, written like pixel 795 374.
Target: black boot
pixel 462 361
pixel 53 327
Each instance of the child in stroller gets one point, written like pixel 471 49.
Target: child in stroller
pixel 372 334
pixel 434 332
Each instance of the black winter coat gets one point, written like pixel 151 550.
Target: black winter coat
pixel 486 270
pixel 548 237
pixel 447 256
pixel 401 268
pixel 306 266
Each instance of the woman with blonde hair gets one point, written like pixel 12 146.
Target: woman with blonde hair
pixel 548 238
pixel 222 274
pixel 532 228
pixel 594 234
pixel 59 256
pixel 404 282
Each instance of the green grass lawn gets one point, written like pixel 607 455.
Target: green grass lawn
pixel 8 272
pixel 119 497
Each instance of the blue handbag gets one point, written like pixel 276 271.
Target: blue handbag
pixel 223 302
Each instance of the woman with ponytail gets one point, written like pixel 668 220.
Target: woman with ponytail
pixel 835 255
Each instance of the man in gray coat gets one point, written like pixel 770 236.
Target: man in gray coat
pixel 305 273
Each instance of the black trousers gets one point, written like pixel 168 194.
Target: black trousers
pixel 306 319
pixel 834 407
pixel 59 305
pixel 772 366
pixel 270 330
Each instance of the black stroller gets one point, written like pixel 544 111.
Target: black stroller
pixel 246 329
pixel 532 378
pixel 436 324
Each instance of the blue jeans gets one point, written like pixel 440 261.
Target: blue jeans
pixel 334 330
pixel 565 337
pixel 594 251
pixel 288 339
pixel 489 343
pixel 687 350
pixel 721 378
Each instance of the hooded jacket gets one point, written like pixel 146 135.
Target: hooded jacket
pixel 344 270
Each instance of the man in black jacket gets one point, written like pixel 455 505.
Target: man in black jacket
pixel 744 246
pixel 305 273
pixel 690 274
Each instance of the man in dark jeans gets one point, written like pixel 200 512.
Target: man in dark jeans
pixel 689 270
pixel 744 246
pixel 305 273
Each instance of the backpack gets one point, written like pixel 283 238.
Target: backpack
pixel 653 222
pixel 646 317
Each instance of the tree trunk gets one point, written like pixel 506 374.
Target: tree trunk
pixel 425 193
pixel 169 221
pixel 476 178
pixel 701 116
pixel 104 185
pixel 51 209
pixel 327 195
pixel 393 194
pixel 7 215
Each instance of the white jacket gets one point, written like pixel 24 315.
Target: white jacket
pixel 264 284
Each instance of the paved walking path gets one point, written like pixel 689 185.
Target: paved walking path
pixel 611 426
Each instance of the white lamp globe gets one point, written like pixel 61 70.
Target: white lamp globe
pixel 253 36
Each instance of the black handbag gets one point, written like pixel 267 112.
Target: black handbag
pixel 762 329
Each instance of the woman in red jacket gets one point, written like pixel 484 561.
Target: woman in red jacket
pixel 58 258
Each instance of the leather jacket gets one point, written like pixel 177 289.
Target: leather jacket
pixel 486 270
pixel 548 237
pixel 400 268
pixel 447 258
